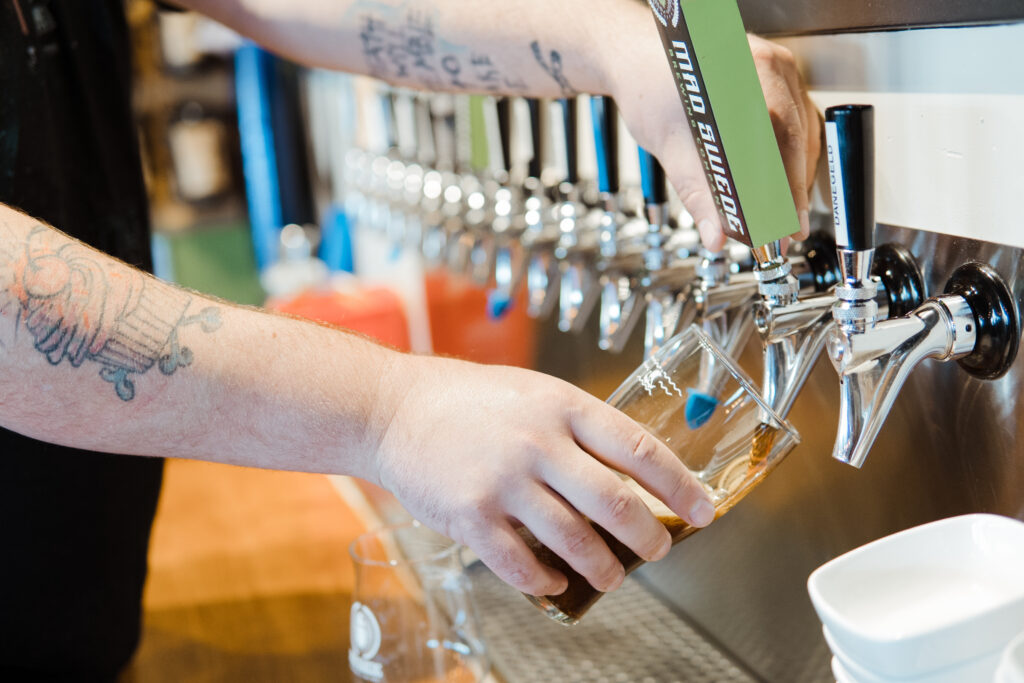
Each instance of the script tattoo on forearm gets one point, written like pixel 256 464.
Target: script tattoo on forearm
pixel 552 64
pixel 401 43
pixel 77 310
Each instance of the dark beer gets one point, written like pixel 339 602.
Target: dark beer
pixel 735 477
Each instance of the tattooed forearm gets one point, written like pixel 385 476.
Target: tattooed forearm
pixel 552 64
pixel 79 310
pixel 402 44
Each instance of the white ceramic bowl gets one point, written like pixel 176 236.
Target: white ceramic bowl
pixel 925 598
pixel 978 670
pixel 839 673
pixel 1011 664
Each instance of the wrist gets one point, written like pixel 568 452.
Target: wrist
pixel 623 48
pixel 396 375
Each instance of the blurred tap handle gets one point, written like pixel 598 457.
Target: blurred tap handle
pixel 605 116
pixel 536 165
pixel 426 146
pixel 442 116
pixel 850 138
pixel 503 105
pixel 406 137
pixel 652 179
pixel 570 131
pixel 388 108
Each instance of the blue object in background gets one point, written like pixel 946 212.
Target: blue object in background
pixel 273 149
pixel 253 68
pixel 336 241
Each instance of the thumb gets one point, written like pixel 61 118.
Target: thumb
pixel 685 171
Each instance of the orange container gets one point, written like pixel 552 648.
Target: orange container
pixel 376 312
pixel 460 326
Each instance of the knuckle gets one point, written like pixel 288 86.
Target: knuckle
pixel 523 578
pixel 692 195
pixel 680 485
pixel 783 57
pixel 464 529
pixel 620 505
pixel 578 541
pixel 645 448
pixel 609 575
pixel 762 51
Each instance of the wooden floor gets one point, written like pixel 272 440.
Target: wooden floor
pixel 250 578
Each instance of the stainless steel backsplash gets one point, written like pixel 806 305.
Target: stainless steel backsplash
pixel 949 447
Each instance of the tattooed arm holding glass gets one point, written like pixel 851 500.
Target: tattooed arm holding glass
pixel 97 355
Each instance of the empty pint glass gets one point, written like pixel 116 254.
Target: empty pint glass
pixel 698 401
pixel 412 616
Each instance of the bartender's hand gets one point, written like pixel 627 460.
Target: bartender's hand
pixel 643 88
pixel 475 451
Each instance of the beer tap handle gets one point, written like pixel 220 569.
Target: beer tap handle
pixel 536 165
pixel 606 142
pixel 426 145
pixel 387 105
pixel 442 116
pixel 850 137
pixel 504 110
pixel 569 126
pixel 652 179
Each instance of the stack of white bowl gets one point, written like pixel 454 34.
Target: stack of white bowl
pixel 938 603
pixel 1011 664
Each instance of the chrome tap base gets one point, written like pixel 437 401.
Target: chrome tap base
pixel 998 325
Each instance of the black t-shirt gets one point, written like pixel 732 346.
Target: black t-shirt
pixel 74 526
pixel 68 150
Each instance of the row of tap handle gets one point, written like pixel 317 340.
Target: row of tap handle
pixel 578 245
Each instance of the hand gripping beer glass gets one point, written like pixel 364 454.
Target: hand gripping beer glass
pixel 694 398
pixel 412 616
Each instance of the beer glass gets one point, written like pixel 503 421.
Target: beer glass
pixel 413 617
pixel 696 399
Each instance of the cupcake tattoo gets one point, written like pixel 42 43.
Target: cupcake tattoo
pixel 79 312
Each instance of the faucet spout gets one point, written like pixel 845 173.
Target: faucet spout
pixel 873 365
pixel 793 337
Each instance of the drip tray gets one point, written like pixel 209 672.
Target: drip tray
pixel 630 636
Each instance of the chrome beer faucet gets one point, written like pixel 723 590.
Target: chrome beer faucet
pixel 442 194
pixel 540 233
pixel 621 238
pixel 974 322
pixel 667 281
pixel 508 223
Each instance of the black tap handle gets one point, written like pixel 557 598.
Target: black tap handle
pixel 569 126
pixel 536 137
pixel 606 142
pixel 652 179
pixel 850 138
pixel 390 119
pixel 504 109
